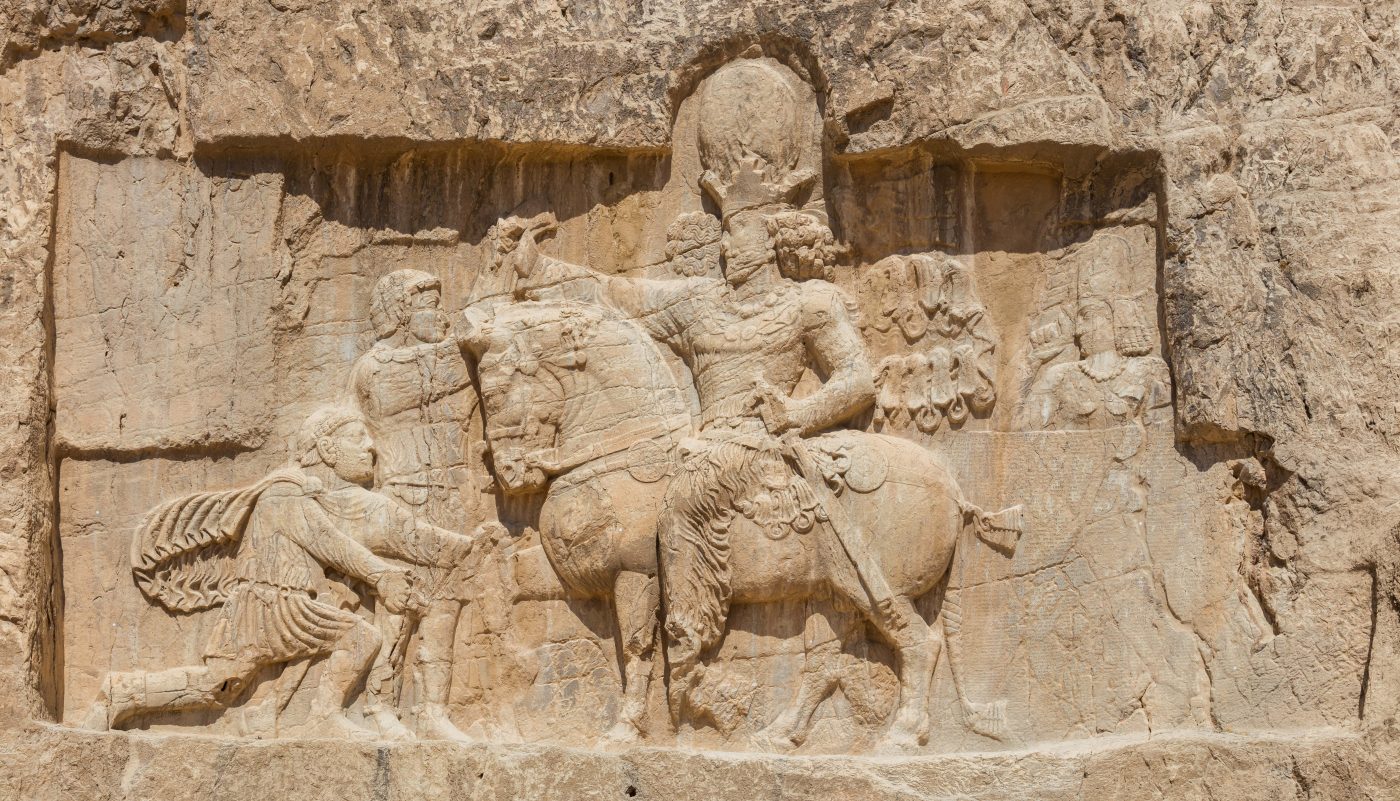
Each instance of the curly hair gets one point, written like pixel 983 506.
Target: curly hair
pixel 323 422
pixel 391 303
pixel 804 245
pixel 692 244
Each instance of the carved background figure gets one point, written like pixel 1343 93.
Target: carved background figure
pixel 1115 380
pixel 950 371
pixel 415 389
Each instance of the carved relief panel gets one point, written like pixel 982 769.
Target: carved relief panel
pixel 756 445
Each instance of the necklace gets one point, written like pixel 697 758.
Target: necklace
pixel 747 307
pixel 1118 366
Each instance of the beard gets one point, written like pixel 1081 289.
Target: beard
pixel 428 326
pixel 357 468
pixel 740 269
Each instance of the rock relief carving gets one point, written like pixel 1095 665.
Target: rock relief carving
pixel 762 505
pixel 949 370
pixel 1114 380
pixel 598 431
pixel 692 247
pixel 414 388
pixel 1112 377
pixel 767 492
pixel 278 561
pixel 747 509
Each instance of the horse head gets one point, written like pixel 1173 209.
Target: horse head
pixel 566 382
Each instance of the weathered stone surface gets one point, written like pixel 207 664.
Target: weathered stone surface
pixel 1125 266
pixel 47 764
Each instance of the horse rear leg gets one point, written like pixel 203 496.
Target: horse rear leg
pixel 636 601
pixel 819 679
pixel 916 646
pixel 988 720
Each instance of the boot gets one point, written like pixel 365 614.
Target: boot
pixel 125 694
pixel 119 696
pixel 327 715
pixel 328 720
pixel 435 679
pixel 387 722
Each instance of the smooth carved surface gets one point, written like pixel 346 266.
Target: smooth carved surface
pixel 807 389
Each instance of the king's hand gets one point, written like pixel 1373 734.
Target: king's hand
pixel 517 244
pixel 774 407
pixel 545 460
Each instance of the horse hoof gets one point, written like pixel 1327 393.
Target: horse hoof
pixel 439 727
pixel 624 733
pixel 770 743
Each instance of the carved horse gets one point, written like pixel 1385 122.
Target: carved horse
pixel 581 404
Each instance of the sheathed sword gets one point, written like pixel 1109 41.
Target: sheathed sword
pixel 848 534
pixel 412 615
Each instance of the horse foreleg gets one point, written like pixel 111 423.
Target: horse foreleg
pixel 636 600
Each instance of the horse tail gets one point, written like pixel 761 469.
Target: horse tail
pixel 1001 530
pixel 987 719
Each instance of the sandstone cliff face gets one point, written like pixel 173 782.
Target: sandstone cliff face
pixel 197 198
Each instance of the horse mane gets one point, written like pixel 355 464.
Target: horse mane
pixel 588 358
pixel 695 545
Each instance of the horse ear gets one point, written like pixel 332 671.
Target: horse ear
pixel 475 331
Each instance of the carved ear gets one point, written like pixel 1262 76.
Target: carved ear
pixel 328 450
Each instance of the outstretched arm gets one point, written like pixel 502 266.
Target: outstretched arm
pixel 655 304
pixel 332 548
pixel 407 538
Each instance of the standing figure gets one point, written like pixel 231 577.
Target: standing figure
pixel 439 561
pixel 259 555
pixel 415 390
